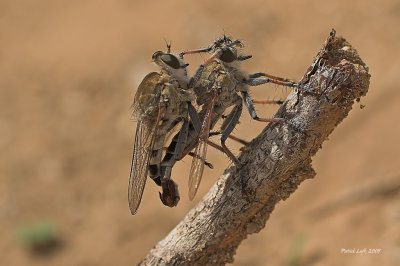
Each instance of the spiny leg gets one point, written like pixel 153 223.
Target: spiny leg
pixel 170 158
pixel 198 51
pixel 243 57
pixel 174 151
pixel 227 127
pixel 180 145
pixel 194 118
pixel 187 151
pixel 194 125
pixel 259 81
pixel 170 194
pixel 216 146
pixel 250 107
pixel 240 140
pixel 261 74
pixel 267 101
pixel 206 163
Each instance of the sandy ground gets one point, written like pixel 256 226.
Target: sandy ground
pixel 68 73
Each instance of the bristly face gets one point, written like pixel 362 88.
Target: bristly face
pixel 227 47
pixel 170 64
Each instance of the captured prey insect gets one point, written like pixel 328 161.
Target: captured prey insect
pixel 162 101
pixel 216 85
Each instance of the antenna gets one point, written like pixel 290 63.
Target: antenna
pixel 168 45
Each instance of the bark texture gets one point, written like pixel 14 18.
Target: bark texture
pixel 273 164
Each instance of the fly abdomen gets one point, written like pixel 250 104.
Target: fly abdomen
pixel 154 166
pixel 171 149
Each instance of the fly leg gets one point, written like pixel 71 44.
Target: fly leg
pixel 243 57
pixel 255 78
pixel 227 127
pixel 188 151
pixel 250 107
pixel 194 117
pixel 170 195
pixel 267 102
pixel 206 163
pixel 175 150
pixel 240 140
pixel 260 81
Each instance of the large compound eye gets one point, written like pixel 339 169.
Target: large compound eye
pixel 171 60
pixel 228 55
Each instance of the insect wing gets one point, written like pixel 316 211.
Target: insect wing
pixel 145 99
pixel 197 168
pixel 142 149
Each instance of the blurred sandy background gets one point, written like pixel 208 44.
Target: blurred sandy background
pixel 68 74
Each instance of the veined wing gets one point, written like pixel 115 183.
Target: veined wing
pixel 197 168
pixel 145 100
pixel 142 149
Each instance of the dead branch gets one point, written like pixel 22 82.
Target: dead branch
pixel 273 164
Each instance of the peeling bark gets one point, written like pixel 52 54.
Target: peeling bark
pixel 273 164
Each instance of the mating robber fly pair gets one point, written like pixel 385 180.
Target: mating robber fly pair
pixel 163 100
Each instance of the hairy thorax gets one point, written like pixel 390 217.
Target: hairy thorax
pixel 226 81
pixel 165 92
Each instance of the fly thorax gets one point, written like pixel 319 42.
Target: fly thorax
pixel 180 76
pixel 172 96
pixel 240 75
pixel 177 74
pixel 232 65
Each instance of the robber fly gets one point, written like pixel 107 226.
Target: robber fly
pixel 161 102
pixel 217 84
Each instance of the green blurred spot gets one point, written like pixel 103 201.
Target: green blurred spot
pixel 40 237
pixel 295 249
